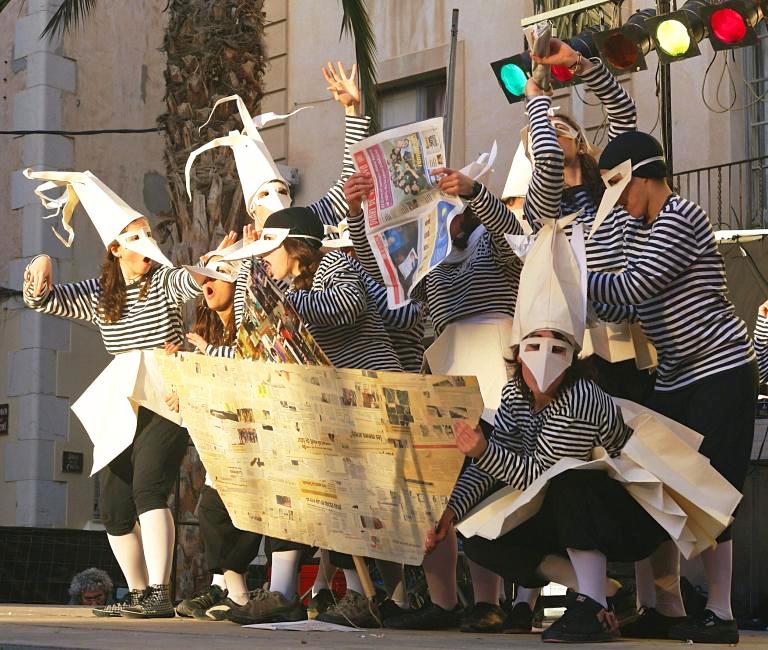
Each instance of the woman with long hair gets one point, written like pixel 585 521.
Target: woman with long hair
pixel 136 306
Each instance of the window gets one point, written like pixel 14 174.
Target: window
pixel 411 100
pixel 756 71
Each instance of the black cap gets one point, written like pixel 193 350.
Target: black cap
pixel 301 222
pixel 638 147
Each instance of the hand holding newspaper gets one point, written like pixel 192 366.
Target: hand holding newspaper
pixel 538 37
pixel 407 218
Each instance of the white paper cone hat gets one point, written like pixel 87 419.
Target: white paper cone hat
pixel 519 175
pixel 337 236
pixel 484 163
pixel 255 165
pixel 552 292
pixel 108 212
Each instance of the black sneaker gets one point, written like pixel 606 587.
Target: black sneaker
pixel 388 608
pixel 268 607
pixel 650 625
pixel 155 603
pixel 485 618
pixel 354 610
pixel 429 617
pixel 219 612
pixel 133 597
pixel 707 628
pixel 519 620
pixel 623 605
pixel 585 621
pixel 196 606
pixel 320 602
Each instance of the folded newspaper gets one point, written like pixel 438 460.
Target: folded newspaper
pixel 407 218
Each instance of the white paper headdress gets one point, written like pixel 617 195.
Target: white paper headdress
pixel 255 165
pixel 480 167
pixel 519 177
pixel 108 212
pixel 337 236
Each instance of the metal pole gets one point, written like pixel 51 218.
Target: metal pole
pixel 664 7
pixel 449 86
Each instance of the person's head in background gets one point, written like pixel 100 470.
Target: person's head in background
pixel 91 587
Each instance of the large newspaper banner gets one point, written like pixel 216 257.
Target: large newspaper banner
pixel 407 218
pixel 356 461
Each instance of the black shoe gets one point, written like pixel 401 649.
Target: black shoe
pixel 354 610
pixel 519 620
pixel 585 621
pixel 133 597
pixel 707 628
pixel 623 604
pixel 320 602
pixel 650 625
pixel 219 612
pixel 196 606
pixel 429 617
pixel 155 603
pixel 268 607
pixel 485 618
pixel 388 608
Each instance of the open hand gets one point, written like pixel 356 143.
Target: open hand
pixel 356 189
pixel 198 341
pixel 437 534
pixel 39 275
pixel 471 442
pixel 171 348
pixel 453 182
pixel 343 86
pixel 249 234
pixel 172 401
pixel 762 310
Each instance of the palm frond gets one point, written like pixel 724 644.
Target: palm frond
pixel 70 14
pixel 5 3
pixel 357 24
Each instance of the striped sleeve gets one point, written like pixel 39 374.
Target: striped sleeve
pixel 363 248
pixel 179 285
pixel 498 220
pixel 546 188
pixel 620 107
pixel 341 304
pixel 761 347
pixel 333 207
pixel 227 351
pixel 671 248
pixel 615 313
pixel 74 300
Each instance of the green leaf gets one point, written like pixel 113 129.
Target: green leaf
pixel 71 13
pixel 357 24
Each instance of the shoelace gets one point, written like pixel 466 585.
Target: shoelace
pixel 206 599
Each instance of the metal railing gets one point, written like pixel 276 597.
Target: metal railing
pixel 735 195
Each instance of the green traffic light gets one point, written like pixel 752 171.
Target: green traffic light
pixel 513 78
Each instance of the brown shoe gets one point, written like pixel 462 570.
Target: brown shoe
pixel 268 607
pixel 486 618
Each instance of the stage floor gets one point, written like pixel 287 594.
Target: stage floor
pixel 49 627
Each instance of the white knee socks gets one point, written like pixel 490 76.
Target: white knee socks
pixel 236 587
pixel 130 556
pixel 325 573
pixel 718 565
pixel 525 595
pixel 590 568
pixel 285 569
pixel 219 581
pixel 158 536
pixel 658 581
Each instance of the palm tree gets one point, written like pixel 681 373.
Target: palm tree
pixel 214 48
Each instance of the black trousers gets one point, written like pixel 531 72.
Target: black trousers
pixel 141 478
pixel 226 548
pixel 623 379
pixel 584 510
pixel 722 409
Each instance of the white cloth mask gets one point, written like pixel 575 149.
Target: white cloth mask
pixel 615 181
pixel 141 241
pixel 547 358
pixel 269 239
pixel 260 207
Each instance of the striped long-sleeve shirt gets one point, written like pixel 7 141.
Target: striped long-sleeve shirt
pixel 331 209
pixel 485 282
pixel 674 279
pixel 145 323
pixel 604 249
pixel 761 347
pixel 524 443
pixel 342 315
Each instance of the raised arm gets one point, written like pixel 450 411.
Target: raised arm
pixel 761 342
pixel 355 189
pixel 620 107
pixel 74 300
pixel 179 284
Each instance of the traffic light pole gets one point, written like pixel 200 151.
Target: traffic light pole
pixel 665 99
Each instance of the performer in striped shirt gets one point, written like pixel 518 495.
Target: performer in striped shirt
pixel 476 283
pixel 338 301
pixel 761 342
pixel 583 191
pixel 674 282
pixel 135 306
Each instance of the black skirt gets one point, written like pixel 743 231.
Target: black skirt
pixel 584 510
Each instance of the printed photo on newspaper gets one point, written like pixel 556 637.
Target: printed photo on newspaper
pixel 407 218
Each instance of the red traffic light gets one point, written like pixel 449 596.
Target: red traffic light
pixel 732 24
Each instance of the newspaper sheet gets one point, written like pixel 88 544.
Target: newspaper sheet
pixel 272 330
pixel 356 461
pixel 407 218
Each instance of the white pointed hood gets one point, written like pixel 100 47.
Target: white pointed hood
pixel 255 165
pixel 519 176
pixel 108 212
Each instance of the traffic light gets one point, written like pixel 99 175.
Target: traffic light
pixel 623 49
pixel 676 35
pixel 512 74
pixel 732 24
